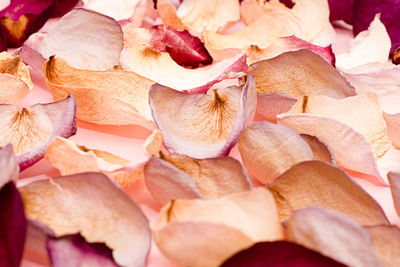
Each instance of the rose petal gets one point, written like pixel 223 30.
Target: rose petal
pixel 71 251
pixel 279 253
pixel 316 183
pixel 8 165
pixel 167 12
pixel 396 56
pixel 31 129
pixel 393 128
pixel 372 45
pixel 309 75
pixel 269 105
pixel 117 9
pixel 268 150
pixel 217 228
pixel 70 158
pixel 208 129
pixel 341 10
pixel 332 234
pixel 286 44
pixel 92 205
pixel 104 97
pixel 394 180
pixel 63 7
pixel 365 10
pixel 320 150
pixel 386 241
pixel 152 145
pixel 94 45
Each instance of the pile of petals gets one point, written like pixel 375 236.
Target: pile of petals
pixel 261 140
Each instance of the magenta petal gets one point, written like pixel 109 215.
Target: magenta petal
pixel 185 49
pixel 341 10
pixel 12 226
pixel 364 13
pixel 73 250
pixel 279 254
pixel 63 7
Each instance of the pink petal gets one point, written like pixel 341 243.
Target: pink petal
pixel 8 165
pixel 269 105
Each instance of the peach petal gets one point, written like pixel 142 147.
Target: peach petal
pixel 393 128
pixel 167 12
pixel 208 129
pixel 8 165
pixel 333 235
pixel 386 241
pixel 269 105
pixel 92 205
pixel 70 158
pixel 32 129
pixel 94 45
pixel 309 75
pixel 152 145
pixel 341 139
pixel 117 9
pixel 217 228
pixel 316 183
pixel 320 150
pixel 372 45
pixel 394 180
pixel 113 97
pixel 268 150
pixel 251 10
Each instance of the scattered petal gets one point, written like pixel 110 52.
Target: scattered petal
pixel 167 12
pixel 8 165
pixel 341 10
pixel 268 150
pixel 396 56
pixel 386 241
pixel 269 105
pixel 92 205
pixel 393 128
pixel 394 180
pixel 279 253
pixel 73 250
pixel 316 183
pixel 333 235
pixel 32 129
pixel 70 158
pixel 94 45
pixel 217 228
pixel 104 97
pixel 372 45
pixel 152 145
pixel 309 75
pixel 320 150
pixel 117 9
pixel 208 129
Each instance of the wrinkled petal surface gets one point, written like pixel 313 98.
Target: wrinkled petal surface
pixel 394 180
pixel 386 241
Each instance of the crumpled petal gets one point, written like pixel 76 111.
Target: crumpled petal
pixel 332 234
pixel 206 232
pixel 113 97
pixel 94 206
pixel 178 176
pixel 93 45
pixel 316 183
pixel 268 150
pixel 372 45
pixel 15 81
pixel 31 129
pixel 279 253
pixel 386 241
pixel 73 250
pixel 70 158
pixel 394 180
pixel 365 10
pixel 269 105
pixel 117 9
pixel 309 75
pixel 320 150
pixel 286 44
pixel 205 130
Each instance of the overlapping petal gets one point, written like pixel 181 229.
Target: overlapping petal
pixel 117 9
pixel 386 241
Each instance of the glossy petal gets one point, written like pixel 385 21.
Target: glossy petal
pixel 31 129
pixel 104 97
pixel 217 228
pixel 316 183
pixel 208 129
pixel 309 75
pixel 386 241
pixel 94 45
pixel 71 251
pixel 70 158
pixel 90 204
pixel 332 234
pixel 278 254
pixel 268 150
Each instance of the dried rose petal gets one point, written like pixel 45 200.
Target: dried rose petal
pixel 70 158
pixel 73 250
pixel 217 228
pixel 372 45
pixel 205 130
pixel 177 176
pixel 279 254
pixel 333 235
pixel 269 105
pixel 105 97
pixel 92 205
pixel 8 165
pixel 167 12
pixel 153 144
pixel 320 150
pixel 31 129
pixel 341 10
pixel 316 183
pixel 386 241
pixel 393 128
pixel 394 180
pixel 268 150
pixel 396 56
pixel 117 9
pixel 94 45
pixel 309 75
